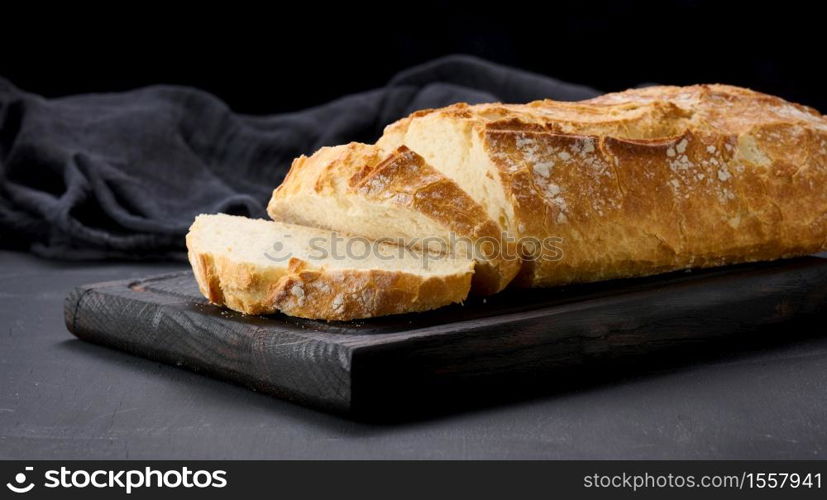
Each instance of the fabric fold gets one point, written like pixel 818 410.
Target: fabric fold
pixel 123 175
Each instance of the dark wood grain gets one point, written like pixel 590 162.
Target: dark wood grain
pixel 518 341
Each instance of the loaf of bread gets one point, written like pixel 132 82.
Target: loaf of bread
pixel 548 193
pixel 261 267
pixel 638 182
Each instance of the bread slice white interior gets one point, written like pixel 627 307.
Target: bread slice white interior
pixel 260 267
pixel 455 147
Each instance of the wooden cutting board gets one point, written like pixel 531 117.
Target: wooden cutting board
pixel 516 342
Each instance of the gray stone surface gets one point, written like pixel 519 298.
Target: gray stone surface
pixel 62 398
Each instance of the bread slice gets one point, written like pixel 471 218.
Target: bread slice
pixel 261 267
pixel 395 196
pixel 638 182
